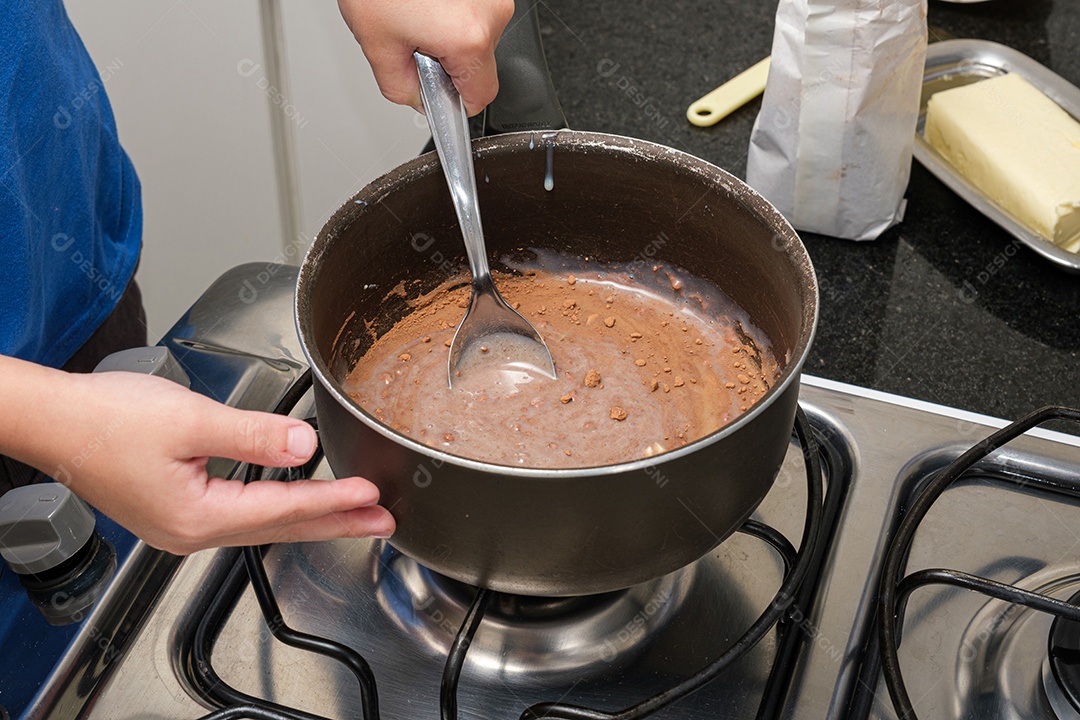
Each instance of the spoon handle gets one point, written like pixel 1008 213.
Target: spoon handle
pixel 450 130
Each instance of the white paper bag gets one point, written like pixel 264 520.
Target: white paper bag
pixel 831 147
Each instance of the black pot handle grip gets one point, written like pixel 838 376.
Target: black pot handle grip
pixel 526 99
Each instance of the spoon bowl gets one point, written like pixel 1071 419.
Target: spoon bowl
pixel 494 346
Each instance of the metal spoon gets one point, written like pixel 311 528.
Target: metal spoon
pixel 492 333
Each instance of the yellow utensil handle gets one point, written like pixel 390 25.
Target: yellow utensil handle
pixel 730 96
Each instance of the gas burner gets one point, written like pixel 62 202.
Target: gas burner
pixel 1061 671
pixel 998 673
pixel 999 649
pixel 530 635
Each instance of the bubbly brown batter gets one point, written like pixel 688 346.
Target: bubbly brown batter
pixel 641 370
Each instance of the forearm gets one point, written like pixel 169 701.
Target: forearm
pixel 33 427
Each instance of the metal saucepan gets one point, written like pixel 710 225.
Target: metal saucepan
pixel 568 531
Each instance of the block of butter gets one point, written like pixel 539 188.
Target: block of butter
pixel 1018 147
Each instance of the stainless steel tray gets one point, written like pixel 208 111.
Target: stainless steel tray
pixel 952 63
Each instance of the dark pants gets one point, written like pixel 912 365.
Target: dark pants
pixel 124 328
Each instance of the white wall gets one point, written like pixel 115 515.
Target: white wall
pixel 187 83
pixel 353 134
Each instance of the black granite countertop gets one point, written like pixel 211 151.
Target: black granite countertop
pixel 945 307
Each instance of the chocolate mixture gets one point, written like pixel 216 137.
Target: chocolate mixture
pixel 640 372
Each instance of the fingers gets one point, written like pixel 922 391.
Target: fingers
pixel 467 52
pixel 475 78
pixel 470 63
pixel 231 513
pixel 228 512
pixel 460 34
pixel 374 521
pixel 270 503
pixel 395 73
pixel 252 437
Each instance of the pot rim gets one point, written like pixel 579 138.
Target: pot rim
pixel 642 148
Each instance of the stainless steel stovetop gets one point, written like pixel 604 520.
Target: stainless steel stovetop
pixel 963 656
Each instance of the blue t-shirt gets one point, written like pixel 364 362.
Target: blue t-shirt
pixel 70 208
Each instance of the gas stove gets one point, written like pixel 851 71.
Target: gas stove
pixel 180 637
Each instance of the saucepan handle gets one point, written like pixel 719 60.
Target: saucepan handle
pixel 527 99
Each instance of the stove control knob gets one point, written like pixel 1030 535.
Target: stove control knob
pixel 48 538
pixel 155 360
pixel 41 526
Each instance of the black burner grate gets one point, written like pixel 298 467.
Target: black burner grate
pixel 794 592
pixel 1064 660
pixel 896 588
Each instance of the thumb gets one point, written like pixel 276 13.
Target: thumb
pixel 256 437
